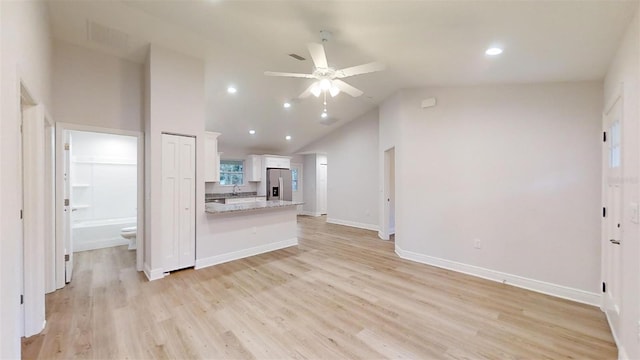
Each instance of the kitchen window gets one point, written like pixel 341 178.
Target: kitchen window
pixel 231 172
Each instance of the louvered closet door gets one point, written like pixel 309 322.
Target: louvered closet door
pixel 178 196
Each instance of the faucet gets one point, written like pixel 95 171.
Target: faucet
pixel 236 188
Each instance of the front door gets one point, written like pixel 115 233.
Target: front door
pixel 612 224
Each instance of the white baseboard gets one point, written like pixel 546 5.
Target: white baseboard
pixel 560 291
pixel 353 224
pixel 310 213
pixel 154 274
pixel 622 353
pixel 100 244
pixel 257 250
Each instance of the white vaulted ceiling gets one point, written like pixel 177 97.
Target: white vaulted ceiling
pixel 423 43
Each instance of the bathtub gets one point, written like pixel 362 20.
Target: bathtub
pixel 98 234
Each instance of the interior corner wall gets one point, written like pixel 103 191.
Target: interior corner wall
pixel 97 89
pixel 177 106
pixel 25 57
pixel 352 187
pixel 515 166
pixel 625 71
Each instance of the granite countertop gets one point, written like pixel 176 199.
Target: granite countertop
pixel 215 208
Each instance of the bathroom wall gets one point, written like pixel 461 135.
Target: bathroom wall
pixel 103 185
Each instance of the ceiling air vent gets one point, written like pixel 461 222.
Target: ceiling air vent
pixel 107 36
pixel 297 57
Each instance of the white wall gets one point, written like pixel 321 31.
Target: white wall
pixel 25 56
pixel 175 105
pixel 516 166
pixel 625 69
pixel 352 185
pixel 96 89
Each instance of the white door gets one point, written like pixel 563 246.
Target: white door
pixel 612 220
pixel 68 241
pixel 322 187
pixel 178 197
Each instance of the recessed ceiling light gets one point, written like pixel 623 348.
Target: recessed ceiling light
pixel 288 137
pixel 232 90
pixel 493 51
pixel 252 132
pixel 287 105
pixel 324 115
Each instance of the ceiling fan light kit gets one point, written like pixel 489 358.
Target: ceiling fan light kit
pixel 328 79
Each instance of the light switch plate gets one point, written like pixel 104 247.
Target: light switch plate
pixel 635 213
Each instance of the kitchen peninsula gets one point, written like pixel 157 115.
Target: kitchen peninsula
pixel 239 230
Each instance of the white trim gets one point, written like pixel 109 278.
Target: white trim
pixel 33 158
pixel 560 291
pixel 240 254
pixel 310 213
pixel 381 235
pixel 354 224
pixel 154 274
pixel 622 353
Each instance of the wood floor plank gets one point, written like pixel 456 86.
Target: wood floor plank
pixel 341 293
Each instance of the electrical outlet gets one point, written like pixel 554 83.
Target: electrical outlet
pixel 477 244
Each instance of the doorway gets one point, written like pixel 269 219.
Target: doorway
pixel 297 183
pixel 322 184
pixel 389 198
pixel 99 189
pixel 612 195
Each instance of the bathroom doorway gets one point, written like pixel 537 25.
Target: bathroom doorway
pixel 99 184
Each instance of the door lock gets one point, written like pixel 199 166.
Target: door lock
pixel 614 241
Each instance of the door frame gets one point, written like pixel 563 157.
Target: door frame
pixel 618 96
pixel 32 155
pixel 59 193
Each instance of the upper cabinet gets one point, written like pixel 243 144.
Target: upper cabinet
pixel 274 161
pixel 253 166
pixel 211 157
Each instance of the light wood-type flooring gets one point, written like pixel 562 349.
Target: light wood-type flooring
pixel 341 294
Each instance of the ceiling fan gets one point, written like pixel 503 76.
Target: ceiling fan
pixel 328 79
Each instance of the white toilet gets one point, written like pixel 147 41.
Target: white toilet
pixel 130 233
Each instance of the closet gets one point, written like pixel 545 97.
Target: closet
pixel 178 201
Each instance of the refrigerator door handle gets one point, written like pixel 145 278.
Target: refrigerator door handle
pixel 280 185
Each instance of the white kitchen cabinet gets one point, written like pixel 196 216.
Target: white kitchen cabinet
pixel 178 236
pixel 261 198
pixel 280 162
pixel 211 157
pixel 253 166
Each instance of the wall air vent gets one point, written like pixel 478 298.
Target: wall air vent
pixel 297 57
pixel 107 36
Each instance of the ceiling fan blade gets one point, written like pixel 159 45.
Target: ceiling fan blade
pixel 360 69
pixel 344 87
pixel 307 92
pixel 317 54
pixel 297 75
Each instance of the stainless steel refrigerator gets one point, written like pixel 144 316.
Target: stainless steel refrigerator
pixel 279 184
